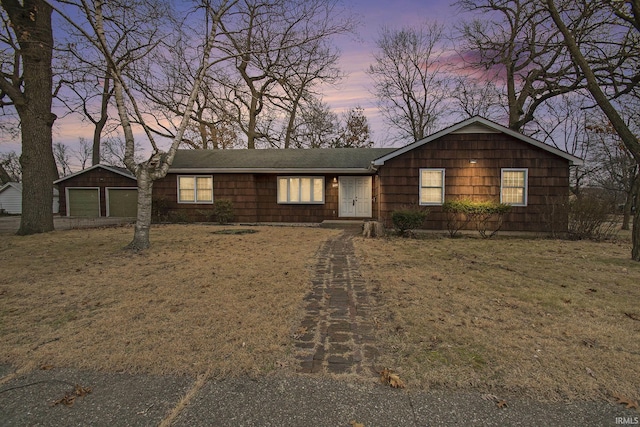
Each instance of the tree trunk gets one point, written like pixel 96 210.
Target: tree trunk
pixel 635 233
pixel 141 239
pixel 100 124
pixel 628 203
pixel 39 170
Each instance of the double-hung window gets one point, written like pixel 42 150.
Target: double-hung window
pixel 431 186
pixel 195 189
pixel 301 189
pixel 513 187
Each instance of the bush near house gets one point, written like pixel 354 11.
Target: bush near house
pixel 406 220
pixel 223 211
pixel 482 214
pixel 590 218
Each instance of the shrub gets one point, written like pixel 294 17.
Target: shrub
pixel 589 218
pixel 223 211
pixel 482 214
pixel 159 209
pixel 406 220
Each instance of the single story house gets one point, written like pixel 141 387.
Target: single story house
pixel 476 159
pixel 11 198
pixel 99 191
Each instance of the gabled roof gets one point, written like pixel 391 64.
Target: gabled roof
pixel 314 160
pixel 15 185
pixel 478 124
pixel 120 171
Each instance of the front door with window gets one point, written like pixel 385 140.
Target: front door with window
pixel 355 196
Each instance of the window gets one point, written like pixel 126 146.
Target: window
pixel 431 186
pixel 513 187
pixel 304 190
pixel 195 189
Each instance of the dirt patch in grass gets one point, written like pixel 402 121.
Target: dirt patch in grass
pixel 196 301
pixel 547 319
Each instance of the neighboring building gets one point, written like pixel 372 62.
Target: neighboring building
pixel 475 159
pixel 11 198
pixel 99 191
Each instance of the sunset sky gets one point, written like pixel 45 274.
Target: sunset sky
pixel 357 54
pixel 356 57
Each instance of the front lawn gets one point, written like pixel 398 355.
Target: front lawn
pixel 549 319
pixel 197 301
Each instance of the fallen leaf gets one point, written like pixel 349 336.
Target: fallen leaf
pixel 590 372
pixel 626 401
pixel 70 397
pixel 46 367
pixel 387 376
pixel 502 404
pixel 355 424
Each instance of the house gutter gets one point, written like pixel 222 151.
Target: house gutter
pixel 299 171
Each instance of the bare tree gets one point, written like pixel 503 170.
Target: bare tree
pixel 473 96
pixel 132 28
pixel 62 155
pixel 276 45
pixel 10 170
pixel 83 153
pixel 515 43
pixel 605 15
pixel 409 81
pixel 159 161
pixel 355 131
pixel 316 125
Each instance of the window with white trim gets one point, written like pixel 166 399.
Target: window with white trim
pixel 195 189
pixel 431 186
pixel 513 187
pixel 301 189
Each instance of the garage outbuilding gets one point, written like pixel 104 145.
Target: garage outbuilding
pixel 99 191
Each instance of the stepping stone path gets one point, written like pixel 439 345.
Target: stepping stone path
pixel 337 332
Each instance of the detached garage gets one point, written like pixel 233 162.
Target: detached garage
pixel 99 191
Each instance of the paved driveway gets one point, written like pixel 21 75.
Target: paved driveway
pixel 10 224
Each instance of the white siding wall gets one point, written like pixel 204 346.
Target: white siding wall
pixel 11 200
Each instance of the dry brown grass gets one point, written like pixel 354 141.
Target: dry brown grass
pixel 544 318
pixel 195 302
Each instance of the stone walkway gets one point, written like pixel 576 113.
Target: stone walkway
pixel 337 332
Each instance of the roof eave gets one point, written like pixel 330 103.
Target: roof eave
pixel 98 166
pixel 302 171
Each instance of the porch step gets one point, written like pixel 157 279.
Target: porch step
pixel 342 224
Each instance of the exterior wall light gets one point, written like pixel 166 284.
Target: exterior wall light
pixel 473 161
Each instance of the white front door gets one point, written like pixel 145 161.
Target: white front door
pixel 355 196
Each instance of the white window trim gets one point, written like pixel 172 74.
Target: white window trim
pixel 420 187
pixel 289 178
pixel 195 190
pixel 526 184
